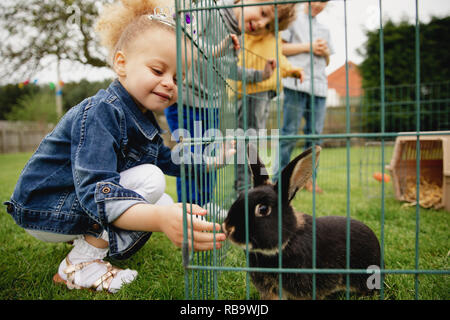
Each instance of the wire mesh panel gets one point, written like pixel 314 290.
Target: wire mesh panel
pixel 400 104
pixel 217 104
pixel 206 108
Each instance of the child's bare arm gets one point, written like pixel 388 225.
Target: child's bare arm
pixel 291 49
pixel 169 220
pixel 319 48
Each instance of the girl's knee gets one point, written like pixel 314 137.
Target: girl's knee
pixel 148 180
pixel 165 200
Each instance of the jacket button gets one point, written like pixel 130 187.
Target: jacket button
pixel 95 226
pixel 106 190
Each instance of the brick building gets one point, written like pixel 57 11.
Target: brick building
pixel 337 85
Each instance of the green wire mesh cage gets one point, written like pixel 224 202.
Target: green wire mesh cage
pixel 216 84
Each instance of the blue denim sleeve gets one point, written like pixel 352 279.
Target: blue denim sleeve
pixel 165 162
pixel 96 139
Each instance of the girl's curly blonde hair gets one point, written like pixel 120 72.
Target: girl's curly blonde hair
pixel 120 23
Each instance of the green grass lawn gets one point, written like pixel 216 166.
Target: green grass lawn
pixel 27 265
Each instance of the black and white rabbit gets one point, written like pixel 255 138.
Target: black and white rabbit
pixel 297 236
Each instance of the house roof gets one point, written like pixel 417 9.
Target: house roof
pixel 337 80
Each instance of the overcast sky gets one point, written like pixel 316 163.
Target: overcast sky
pixel 361 15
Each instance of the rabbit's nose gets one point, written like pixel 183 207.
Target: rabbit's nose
pixel 227 230
pixel 224 228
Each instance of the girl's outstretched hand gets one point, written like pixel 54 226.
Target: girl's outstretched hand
pixel 172 226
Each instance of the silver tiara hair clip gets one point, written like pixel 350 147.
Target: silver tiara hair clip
pixel 162 15
pixel 167 16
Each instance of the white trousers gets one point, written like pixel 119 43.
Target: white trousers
pixel 147 180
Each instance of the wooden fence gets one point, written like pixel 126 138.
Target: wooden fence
pixel 22 136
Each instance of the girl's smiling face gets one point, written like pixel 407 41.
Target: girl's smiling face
pixel 256 18
pixel 147 69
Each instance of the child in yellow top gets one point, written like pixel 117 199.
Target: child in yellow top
pixel 259 49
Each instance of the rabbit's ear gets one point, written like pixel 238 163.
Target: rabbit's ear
pixel 295 175
pixel 257 167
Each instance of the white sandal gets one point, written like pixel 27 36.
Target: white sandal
pixel 104 281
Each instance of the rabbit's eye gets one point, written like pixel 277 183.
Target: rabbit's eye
pixel 261 210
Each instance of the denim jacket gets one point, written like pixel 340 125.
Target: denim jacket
pixel 71 183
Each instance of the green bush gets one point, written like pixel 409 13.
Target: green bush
pixel 39 107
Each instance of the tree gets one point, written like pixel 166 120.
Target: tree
pixel 399 53
pixel 400 76
pixel 75 92
pixel 35 29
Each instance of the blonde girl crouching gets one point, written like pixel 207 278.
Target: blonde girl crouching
pixel 98 177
